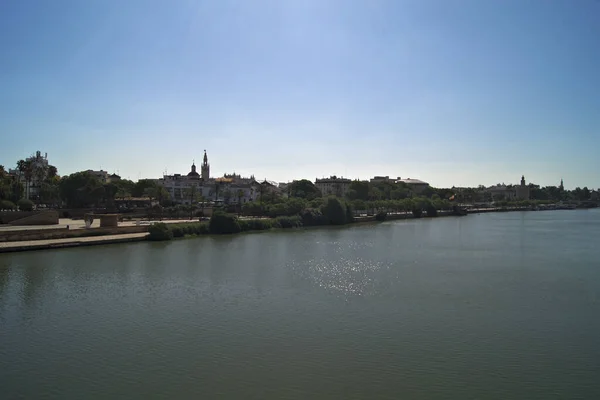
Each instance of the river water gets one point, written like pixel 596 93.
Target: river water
pixel 490 306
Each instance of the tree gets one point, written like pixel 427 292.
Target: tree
pixel 304 189
pixel 227 196
pixel 52 172
pixel 81 189
pixel 240 195
pixel 24 168
pixel 335 211
pixel 358 190
pixel 217 188
pixel 189 193
pixel 49 193
pixel 262 187
pixel 125 188
pixel 399 193
pixel 141 187
pixel 427 192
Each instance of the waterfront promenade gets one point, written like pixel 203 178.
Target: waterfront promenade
pixel 26 245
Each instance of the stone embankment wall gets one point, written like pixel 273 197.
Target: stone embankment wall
pixel 49 217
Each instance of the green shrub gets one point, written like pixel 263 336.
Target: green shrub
pixel 159 231
pixel 195 228
pixel 25 205
pixel 221 223
pixel 381 216
pixel 7 205
pixel 312 217
pixel 177 231
pixel 244 225
pixel 289 222
pixel 417 212
pixel 202 228
pixel 257 224
pixel 430 210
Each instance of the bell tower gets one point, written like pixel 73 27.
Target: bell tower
pixel 205 168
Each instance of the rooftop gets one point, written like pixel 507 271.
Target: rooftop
pixel 410 181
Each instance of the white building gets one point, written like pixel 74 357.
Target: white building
pixel 416 185
pixel 510 193
pixel 38 172
pixel 502 192
pixel 101 175
pixel 333 186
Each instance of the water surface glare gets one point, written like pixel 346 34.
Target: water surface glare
pixel 490 306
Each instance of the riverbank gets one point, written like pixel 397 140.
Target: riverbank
pixel 98 236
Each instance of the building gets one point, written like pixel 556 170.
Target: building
pixel 502 192
pixel 333 186
pixel 510 192
pixel 114 178
pixel 522 191
pixel 383 179
pixel 101 175
pixel 205 168
pixel 184 189
pixel 36 174
pixel 415 185
pixel 194 187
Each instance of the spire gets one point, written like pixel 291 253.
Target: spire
pixel 205 168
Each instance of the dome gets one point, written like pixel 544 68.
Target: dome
pixel 193 173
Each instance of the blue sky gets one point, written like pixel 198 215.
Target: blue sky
pixel 454 92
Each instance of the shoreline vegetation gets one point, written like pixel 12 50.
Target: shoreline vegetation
pixel 333 212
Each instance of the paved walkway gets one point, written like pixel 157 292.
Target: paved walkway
pixel 70 242
pixel 80 224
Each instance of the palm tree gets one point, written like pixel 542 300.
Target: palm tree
pixel 217 186
pixel 227 196
pixel 240 194
pixel 24 168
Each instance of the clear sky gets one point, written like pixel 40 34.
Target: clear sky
pixel 453 92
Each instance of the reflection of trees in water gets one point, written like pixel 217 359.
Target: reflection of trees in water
pixel 4 278
pixel 33 276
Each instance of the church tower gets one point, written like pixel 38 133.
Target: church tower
pixel 205 168
pixel 522 191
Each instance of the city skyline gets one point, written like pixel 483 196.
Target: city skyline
pixel 193 167
pixel 453 93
